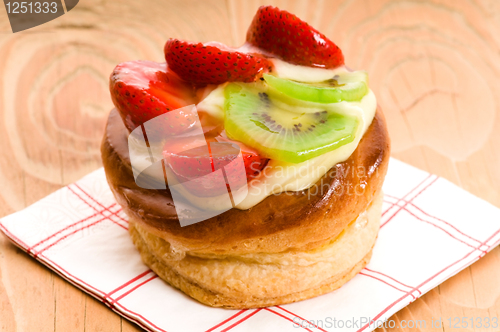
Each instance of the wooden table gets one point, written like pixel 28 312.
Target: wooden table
pixel 434 66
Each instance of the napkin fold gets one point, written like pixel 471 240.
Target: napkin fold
pixel 430 230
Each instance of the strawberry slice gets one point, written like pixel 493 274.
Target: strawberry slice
pixel 210 64
pixel 285 35
pixel 195 165
pixel 254 163
pixel 143 90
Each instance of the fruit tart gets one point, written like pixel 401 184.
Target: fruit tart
pixel 251 176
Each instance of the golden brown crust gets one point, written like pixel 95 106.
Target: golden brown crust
pixel 300 220
pixel 212 299
pixel 257 280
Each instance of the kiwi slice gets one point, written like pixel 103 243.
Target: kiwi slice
pixel 348 86
pixel 252 118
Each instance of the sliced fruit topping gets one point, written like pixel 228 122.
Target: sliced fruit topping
pixel 142 90
pixel 208 64
pixel 349 86
pixel 196 166
pixel 252 118
pixel 285 35
pixel 254 163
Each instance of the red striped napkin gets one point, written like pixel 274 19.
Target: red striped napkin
pixel 430 230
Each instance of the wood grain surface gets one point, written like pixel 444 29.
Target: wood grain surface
pixel 434 66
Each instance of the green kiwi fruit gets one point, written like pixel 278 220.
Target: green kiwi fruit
pixel 348 86
pixel 252 118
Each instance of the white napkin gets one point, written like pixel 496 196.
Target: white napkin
pixel 430 230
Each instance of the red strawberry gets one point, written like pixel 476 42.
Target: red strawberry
pixel 143 90
pixel 207 64
pixel 285 35
pixel 195 165
pixel 254 163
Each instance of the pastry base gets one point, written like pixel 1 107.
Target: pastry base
pixel 263 279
